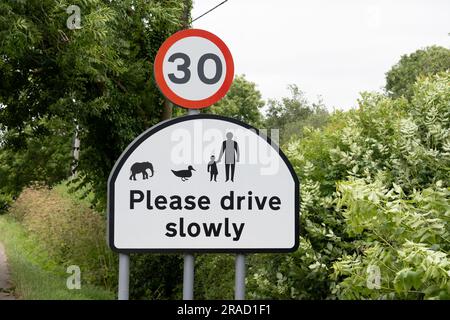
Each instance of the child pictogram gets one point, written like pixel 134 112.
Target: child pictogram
pixel 212 169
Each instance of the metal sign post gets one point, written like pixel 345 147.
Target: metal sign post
pixel 189 260
pixel 188 277
pixel 124 276
pixel 239 291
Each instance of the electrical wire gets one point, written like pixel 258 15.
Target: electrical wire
pixel 209 10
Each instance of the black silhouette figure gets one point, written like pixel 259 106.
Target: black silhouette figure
pixel 184 174
pixel 212 169
pixel 141 167
pixel 231 150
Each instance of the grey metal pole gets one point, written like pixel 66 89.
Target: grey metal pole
pixel 189 261
pixel 239 293
pixel 188 277
pixel 193 111
pixel 124 276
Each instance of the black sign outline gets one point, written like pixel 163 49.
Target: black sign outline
pixel 167 123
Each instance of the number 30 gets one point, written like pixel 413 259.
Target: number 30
pixel 184 67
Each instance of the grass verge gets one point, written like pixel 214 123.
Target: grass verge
pixel 34 274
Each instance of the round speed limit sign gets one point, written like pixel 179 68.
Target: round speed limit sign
pixel 194 68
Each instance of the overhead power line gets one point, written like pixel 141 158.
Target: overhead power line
pixel 204 14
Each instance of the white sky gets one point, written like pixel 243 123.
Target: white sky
pixel 335 49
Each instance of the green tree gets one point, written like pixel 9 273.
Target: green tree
pixel 43 156
pixel 99 75
pixel 402 76
pixel 242 102
pixel 293 113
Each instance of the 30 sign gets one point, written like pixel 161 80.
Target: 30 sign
pixel 194 68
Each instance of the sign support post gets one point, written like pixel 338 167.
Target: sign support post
pixel 188 277
pixel 240 277
pixel 189 260
pixel 124 276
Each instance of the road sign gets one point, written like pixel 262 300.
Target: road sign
pixel 194 68
pixel 203 183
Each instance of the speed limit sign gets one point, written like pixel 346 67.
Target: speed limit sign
pixel 194 68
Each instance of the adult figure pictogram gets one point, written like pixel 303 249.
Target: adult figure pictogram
pixel 231 150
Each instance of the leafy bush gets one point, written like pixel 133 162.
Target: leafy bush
pixel 214 276
pixel 405 238
pixel 374 206
pixel 392 200
pixel 401 216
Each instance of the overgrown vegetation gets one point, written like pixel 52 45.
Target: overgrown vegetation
pixel 70 232
pixel 36 275
pixel 374 195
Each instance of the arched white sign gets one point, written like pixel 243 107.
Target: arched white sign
pixel 203 183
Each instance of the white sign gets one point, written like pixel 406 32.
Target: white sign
pixel 194 68
pixel 203 183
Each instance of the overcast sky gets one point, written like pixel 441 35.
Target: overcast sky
pixel 330 48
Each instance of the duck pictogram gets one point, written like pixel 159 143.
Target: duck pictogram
pixel 184 174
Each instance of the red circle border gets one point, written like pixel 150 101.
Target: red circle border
pixel 172 96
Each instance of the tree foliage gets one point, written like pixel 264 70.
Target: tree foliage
pixel 402 76
pixel 376 196
pixel 43 156
pixel 99 75
pixel 242 102
pixel 375 206
pixel 292 114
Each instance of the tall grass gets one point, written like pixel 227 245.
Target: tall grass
pixel 70 232
pixel 34 273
